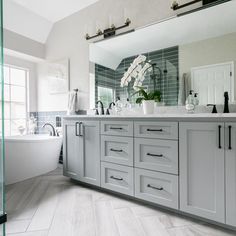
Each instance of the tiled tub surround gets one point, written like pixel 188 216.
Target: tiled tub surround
pixel 171 160
pixel 53 117
pixel 47 117
pixel 166 60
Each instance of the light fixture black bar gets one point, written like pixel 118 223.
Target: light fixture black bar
pixel 110 31
pixel 204 7
pixel 176 6
pixel 3 218
pixel 117 35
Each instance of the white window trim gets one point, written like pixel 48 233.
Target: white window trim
pixel 26 93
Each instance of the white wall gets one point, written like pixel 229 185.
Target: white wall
pixel 211 51
pixel 207 52
pixel 22 21
pixel 67 40
pixel 32 67
pixel 21 44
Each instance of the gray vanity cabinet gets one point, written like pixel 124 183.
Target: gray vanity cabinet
pixel 230 173
pixel 82 148
pixel 202 187
pixel 187 166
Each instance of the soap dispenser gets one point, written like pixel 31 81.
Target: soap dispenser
pixel 118 105
pixel 195 99
pixel 127 105
pixel 190 102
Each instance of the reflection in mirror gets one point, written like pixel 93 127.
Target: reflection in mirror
pixel 192 52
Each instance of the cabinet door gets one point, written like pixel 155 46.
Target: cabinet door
pixel 202 169
pixel 70 150
pixel 230 173
pixel 89 154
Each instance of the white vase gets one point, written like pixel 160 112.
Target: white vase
pixel 148 106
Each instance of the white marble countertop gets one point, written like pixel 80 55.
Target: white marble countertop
pixel 159 116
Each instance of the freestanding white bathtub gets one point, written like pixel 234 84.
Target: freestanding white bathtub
pixel 30 155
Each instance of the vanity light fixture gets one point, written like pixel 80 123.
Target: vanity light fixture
pixel 205 3
pixel 175 5
pixel 110 31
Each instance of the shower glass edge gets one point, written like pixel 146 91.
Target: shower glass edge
pixel 2 147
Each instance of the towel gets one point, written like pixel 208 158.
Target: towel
pixel 184 88
pixel 72 103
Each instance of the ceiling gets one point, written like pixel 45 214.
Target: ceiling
pixel 34 19
pixel 54 10
pixel 190 28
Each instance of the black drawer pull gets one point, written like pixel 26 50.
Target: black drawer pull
pixel 154 155
pixel 80 128
pixel 230 146
pixel 219 129
pixel 76 128
pixel 115 150
pixel 116 128
pixel 159 189
pixel 112 177
pixel 155 130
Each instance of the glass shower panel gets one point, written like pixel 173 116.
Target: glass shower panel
pixel 2 148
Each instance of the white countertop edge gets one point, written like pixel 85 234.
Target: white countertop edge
pixel 164 115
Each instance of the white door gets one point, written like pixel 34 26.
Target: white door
pixel 211 81
pixel 89 152
pixel 202 169
pixel 230 173
pixel 70 150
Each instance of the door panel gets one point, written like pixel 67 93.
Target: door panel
pixel 71 150
pixel 89 145
pixel 202 170
pixel 212 80
pixel 230 173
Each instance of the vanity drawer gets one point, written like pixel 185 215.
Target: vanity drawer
pixel 163 130
pixel 156 154
pixel 156 187
pixel 121 128
pixel 117 178
pixel 117 149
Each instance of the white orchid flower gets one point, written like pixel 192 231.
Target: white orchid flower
pixel 140 59
pixel 137 85
pixel 137 70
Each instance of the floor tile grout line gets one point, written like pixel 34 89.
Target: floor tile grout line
pixel 63 187
pixel 38 205
pixel 113 215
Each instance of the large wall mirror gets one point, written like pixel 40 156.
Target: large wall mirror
pixel 195 51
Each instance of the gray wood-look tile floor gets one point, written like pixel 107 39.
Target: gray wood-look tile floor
pixel 51 205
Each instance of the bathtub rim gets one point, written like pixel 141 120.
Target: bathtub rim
pixel 34 139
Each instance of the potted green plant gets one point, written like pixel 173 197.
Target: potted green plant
pixel 137 71
pixel 147 99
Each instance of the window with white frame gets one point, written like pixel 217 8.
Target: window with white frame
pixel 106 95
pixel 15 99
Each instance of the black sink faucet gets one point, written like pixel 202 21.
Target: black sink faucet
pixel 53 133
pixel 226 103
pixel 214 110
pixel 109 108
pixel 102 107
